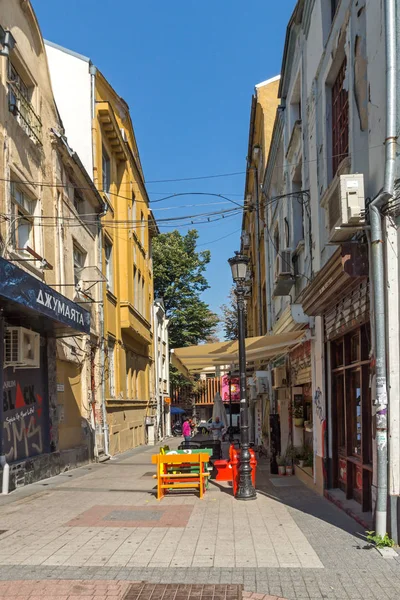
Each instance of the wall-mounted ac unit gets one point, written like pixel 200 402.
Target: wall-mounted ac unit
pixel 344 202
pixel 245 240
pixel 279 377
pixel 262 382
pixel 22 348
pixel 284 279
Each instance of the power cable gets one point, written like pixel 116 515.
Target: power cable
pixel 219 239
pixel 197 178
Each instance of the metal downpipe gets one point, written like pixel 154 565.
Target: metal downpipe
pixel 378 270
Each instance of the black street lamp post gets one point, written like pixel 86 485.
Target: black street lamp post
pixel 246 490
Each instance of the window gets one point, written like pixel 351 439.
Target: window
pixel 135 288
pixel 106 169
pixel 79 263
pixel 334 5
pixel 22 224
pixel 340 119
pixel 20 103
pixel 142 228
pixel 133 209
pixel 108 249
pixel 276 240
pixel 143 307
pixel 138 291
pixel 111 368
pixel 78 202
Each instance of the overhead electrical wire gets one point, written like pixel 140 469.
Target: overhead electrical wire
pixel 197 178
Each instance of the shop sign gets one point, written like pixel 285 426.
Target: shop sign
pixel 22 288
pixel 235 388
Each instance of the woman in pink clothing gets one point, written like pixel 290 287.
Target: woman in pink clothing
pixel 186 429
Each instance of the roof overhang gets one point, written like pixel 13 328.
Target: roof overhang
pixel 267 347
pixel 347 268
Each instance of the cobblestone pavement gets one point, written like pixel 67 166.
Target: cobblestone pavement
pixel 102 522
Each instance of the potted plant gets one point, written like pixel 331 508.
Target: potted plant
pixel 291 455
pixel 281 460
pixel 298 412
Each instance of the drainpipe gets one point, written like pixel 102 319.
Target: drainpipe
pixel 257 228
pixel 102 336
pixel 93 71
pixel 378 269
pixel 3 460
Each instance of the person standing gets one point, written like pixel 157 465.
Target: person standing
pixel 186 430
pixel 216 428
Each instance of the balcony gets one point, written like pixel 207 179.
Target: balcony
pixel 22 109
pixel 134 324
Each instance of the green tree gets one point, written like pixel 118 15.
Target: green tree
pixel 179 280
pixel 230 317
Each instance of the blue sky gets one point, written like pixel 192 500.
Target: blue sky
pixel 187 70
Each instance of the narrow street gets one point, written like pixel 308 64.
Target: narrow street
pixel 99 528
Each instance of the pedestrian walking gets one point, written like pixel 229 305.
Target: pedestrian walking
pixel 186 430
pixel 216 428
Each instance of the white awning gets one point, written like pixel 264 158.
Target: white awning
pixel 266 347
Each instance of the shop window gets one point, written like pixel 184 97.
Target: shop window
pixel 22 219
pixel 106 171
pixel 20 94
pixel 355 347
pixel 109 255
pixel 340 119
pixel 355 413
pixel 337 354
pixel 338 394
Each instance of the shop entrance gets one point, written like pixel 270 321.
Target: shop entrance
pixel 351 415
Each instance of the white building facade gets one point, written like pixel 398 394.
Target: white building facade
pixel 326 165
pixel 161 371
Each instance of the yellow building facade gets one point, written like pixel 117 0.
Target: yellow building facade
pixel 262 117
pixel 47 328
pixel 128 290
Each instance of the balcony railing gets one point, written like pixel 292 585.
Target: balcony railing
pixel 23 111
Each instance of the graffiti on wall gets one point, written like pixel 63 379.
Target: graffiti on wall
pixel 24 414
pixel 319 407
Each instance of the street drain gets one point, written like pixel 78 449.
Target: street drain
pixel 175 591
pixel 148 474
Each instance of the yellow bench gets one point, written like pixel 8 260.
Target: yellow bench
pixel 177 479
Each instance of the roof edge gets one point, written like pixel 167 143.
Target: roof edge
pixel 67 51
pixel 267 81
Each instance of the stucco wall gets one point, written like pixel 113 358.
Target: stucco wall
pixel 70 79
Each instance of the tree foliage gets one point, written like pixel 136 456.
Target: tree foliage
pixel 230 317
pixel 179 280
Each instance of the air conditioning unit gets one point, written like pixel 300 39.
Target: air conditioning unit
pixel 344 202
pixel 284 278
pixel 22 348
pixel 279 377
pixel 245 240
pixel 262 382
